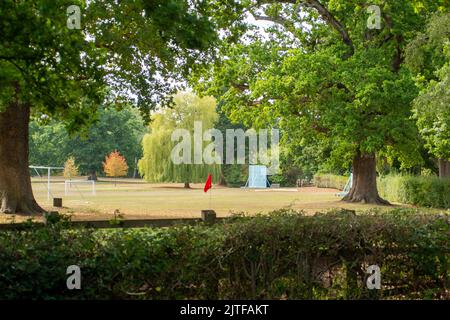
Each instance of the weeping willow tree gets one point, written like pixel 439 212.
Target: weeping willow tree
pixel 157 164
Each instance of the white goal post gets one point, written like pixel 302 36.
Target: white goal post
pixel 49 169
pixel 68 185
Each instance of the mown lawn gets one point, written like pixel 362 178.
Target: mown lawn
pixel 137 199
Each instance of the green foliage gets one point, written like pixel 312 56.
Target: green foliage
pixel 288 177
pixel 132 46
pixel 429 57
pixel 156 164
pixel 121 130
pixel 431 109
pixel 345 88
pixel 284 255
pixel 235 175
pixel 425 53
pixel 322 180
pixel 46 65
pixel 425 191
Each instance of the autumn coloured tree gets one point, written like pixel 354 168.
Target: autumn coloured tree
pixel 70 168
pixel 115 165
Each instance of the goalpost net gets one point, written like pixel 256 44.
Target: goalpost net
pixel 69 184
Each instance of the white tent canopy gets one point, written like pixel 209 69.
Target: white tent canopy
pixel 257 177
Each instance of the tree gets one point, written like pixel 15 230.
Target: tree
pixel 115 165
pixel 157 164
pixel 428 56
pixel 50 70
pixel 231 174
pixel 431 109
pixel 70 168
pixel 320 71
pixel 120 130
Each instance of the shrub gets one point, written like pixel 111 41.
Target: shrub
pixel 284 255
pixel 330 181
pixel 421 191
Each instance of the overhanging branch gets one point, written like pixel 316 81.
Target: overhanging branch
pixel 325 14
pixel 331 20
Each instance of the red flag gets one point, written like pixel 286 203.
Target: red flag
pixel 208 184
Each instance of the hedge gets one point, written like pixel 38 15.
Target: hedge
pixel 416 190
pixel 283 255
pixel 330 181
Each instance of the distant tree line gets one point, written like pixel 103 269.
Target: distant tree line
pixel 51 145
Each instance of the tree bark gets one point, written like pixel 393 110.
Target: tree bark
pixel 16 194
pixel 444 168
pixel 186 185
pixel 364 187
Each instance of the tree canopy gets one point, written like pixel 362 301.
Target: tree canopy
pixel 428 56
pixel 122 130
pixel 133 46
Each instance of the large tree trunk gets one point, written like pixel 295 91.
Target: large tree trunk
pixel 187 185
pixel 444 168
pixel 364 187
pixel 16 195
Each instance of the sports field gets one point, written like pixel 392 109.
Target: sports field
pixel 137 199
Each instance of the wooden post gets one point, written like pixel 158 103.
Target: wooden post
pixel 209 216
pixel 57 202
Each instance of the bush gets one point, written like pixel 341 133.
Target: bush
pixel 421 191
pixel 284 255
pixel 330 181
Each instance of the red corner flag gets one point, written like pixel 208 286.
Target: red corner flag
pixel 208 184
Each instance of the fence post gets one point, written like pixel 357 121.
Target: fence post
pixel 209 216
pixel 57 202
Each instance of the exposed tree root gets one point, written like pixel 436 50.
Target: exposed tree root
pixel 26 207
pixel 366 200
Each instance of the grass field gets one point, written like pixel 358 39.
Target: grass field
pixel 137 199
